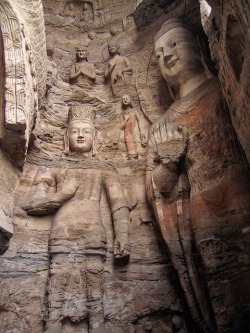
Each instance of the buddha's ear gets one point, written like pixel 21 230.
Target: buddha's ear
pixel 94 147
pixel 66 142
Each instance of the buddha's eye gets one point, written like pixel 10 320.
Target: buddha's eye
pixel 158 56
pixel 173 44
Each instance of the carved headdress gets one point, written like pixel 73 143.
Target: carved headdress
pixel 81 113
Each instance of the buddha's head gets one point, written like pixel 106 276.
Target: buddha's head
pixel 113 48
pixel 126 100
pixel 177 52
pixel 81 134
pixel 81 53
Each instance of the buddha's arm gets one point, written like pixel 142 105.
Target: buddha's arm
pixel 74 73
pixel 141 129
pixel 120 213
pixel 41 201
pixel 109 69
pixel 127 68
pixel 121 228
pixel 89 72
pixel 161 175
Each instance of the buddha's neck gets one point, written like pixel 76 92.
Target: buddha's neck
pixel 190 84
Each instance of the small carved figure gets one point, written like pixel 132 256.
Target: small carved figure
pixel 194 162
pixel 91 35
pixel 178 324
pixel 83 73
pixel 113 31
pixel 128 22
pixel 77 244
pixel 87 13
pixel 147 327
pixel 118 68
pixel 130 118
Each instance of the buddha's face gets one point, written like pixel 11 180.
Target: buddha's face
pixel 177 54
pixel 81 53
pixel 81 137
pixel 126 100
pixel 113 48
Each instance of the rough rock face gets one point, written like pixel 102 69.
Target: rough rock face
pixel 99 61
pixel 226 25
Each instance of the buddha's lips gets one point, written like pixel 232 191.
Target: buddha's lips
pixel 172 62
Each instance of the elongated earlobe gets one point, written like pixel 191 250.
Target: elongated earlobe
pixel 94 147
pixel 66 143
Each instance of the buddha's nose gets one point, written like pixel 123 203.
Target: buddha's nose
pixel 167 53
pixel 81 134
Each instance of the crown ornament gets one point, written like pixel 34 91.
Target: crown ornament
pixel 81 113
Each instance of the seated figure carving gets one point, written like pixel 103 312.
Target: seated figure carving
pixel 196 173
pixel 78 243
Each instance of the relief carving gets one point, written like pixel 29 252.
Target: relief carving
pixel 15 117
pixel 82 73
pixel 192 166
pixel 118 70
pixel 87 12
pixel 78 242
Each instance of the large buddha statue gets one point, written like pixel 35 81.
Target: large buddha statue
pixel 78 243
pixel 197 179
